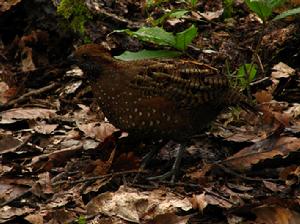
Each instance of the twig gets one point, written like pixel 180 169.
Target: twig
pixel 29 94
pixel 97 177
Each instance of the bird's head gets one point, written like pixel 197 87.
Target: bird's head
pixel 91 58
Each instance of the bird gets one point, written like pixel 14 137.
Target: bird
pixel 157 98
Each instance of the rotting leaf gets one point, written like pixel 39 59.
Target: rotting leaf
pixel 260 151
pixel 7 4
pixel 282 70
pixel 97 130
pixel 278 215
pixel 16 114
pixel 134 206
pixel 8 213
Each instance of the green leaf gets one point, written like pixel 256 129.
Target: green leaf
pixel 147 54
pixel 159 36
pixel 173 14
pixel 178 13
pixel 184 38
pixel 154 35
pixel 193 2
pixel 263 8
pixel 246 74
pixel 260 7
pixel 276 3
pixel 290 12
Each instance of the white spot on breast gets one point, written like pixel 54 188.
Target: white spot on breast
pixel 143 123
pixel 157 122
pixel 168 118
pixel 140 113
pixel 154 111
pixel 130 93
pixel 148 114
pixel 135 110
pixel 130 116
pixel 151 123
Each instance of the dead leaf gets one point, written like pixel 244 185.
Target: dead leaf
pixel 35 219
pixel 278 215
pixel 282 70
pixel 260 151
pixel 273 187
pixel 263 96
pixel 3 90
pixel 17 114
pixel 7 4
pixel 212 15
pixel 27 61
pixel 133 205
pixel 201 201
pixel 97 130
pixel 43 186
pixel 8 213
pixel 42 127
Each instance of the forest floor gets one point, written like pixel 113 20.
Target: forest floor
pixel 61 163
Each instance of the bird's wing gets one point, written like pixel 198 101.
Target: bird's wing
pixel 187 83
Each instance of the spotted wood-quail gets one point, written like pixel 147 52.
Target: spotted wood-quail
pixel 155 99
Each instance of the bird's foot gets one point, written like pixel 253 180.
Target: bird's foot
pixel 173 173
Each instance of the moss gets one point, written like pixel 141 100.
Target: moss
pixel 76 13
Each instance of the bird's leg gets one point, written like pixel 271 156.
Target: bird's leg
pixel 175 168
pixel 147 158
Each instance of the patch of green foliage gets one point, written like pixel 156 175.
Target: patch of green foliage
pixel 246 74
pixel 159 36
pixel 76 13
pixel 228 8
pixel 265 8
pixel 81 220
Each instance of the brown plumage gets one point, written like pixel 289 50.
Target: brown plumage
pixel 154 99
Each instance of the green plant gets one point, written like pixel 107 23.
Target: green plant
pixel 176 13
pixel 76 13
pixel 228 8
pixel 263 9
pixel 159 36
pixel 81 220
pixel 193 3
pixel 246 74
